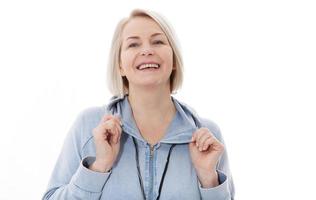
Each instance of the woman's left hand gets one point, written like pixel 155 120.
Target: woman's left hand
pixel 205 151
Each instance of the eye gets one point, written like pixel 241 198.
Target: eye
pixel 132 45
pixel 158 42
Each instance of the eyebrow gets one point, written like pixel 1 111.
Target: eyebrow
pixel 136 37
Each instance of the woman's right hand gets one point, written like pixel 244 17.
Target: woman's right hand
pixel 107 142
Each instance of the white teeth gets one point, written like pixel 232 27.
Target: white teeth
pixel 148 66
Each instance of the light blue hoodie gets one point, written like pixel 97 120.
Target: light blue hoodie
pixel 71 178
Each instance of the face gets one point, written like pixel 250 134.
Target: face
pixel 146 56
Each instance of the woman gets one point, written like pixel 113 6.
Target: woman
pixel 144 144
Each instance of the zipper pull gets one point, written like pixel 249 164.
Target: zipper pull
pixel 151 151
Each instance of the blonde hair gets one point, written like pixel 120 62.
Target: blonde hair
pixel 117 84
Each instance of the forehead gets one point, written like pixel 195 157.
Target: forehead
pixel 141 26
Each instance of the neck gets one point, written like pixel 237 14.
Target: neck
pixel 151 104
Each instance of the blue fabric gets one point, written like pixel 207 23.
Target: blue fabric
pixel 71 178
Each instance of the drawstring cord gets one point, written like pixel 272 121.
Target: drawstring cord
pixel 140 176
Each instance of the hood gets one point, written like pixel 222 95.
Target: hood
pixel 180 130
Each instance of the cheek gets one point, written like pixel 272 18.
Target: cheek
pixel 126 59
pixel 168 56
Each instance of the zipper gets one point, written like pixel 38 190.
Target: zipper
pixel 151 172
pixel 151 151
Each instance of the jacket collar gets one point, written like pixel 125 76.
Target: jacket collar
pixel 180 130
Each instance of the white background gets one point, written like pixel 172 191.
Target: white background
pixel 249 66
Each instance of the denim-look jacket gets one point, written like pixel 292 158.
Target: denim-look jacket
pixel 140 172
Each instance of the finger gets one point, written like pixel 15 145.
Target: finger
pixel 109 126
pixel 193 137
pixel 216 145
pixel 106 118
pixel 112 117
pixel 202 140
pixel 107 135
pixel 208 142
pixel 200 133
pixel 117 118
pixel 117 133
pixel 100 135
pixel 115 128
pixel 118 129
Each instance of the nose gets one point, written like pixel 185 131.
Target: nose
pixel 146 51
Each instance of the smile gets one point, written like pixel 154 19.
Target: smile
pixel 148 66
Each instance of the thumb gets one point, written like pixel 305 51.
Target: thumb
pixel 107 144
pixel 107 140
pixel 191 146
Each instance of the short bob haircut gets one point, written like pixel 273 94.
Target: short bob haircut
pixel 117 84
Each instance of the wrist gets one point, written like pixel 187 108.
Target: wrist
pixel 100 167
pixel 208 179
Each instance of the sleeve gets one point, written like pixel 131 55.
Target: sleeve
pixel 226 189
pixel 71 178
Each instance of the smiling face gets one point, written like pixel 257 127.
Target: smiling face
pixel 146 57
